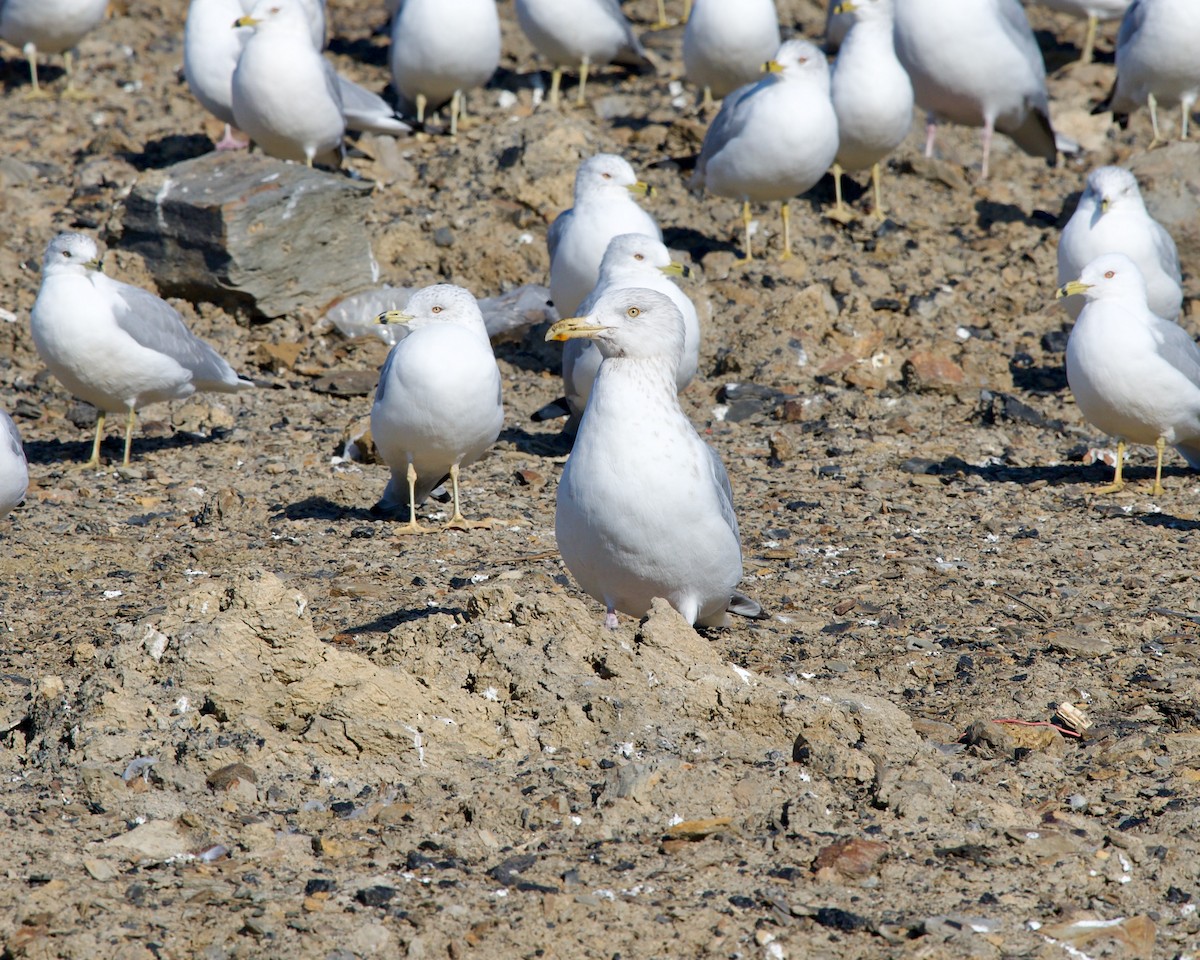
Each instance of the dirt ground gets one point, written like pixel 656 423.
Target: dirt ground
pixel 240 717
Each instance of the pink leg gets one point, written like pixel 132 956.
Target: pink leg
pixel 610 619
pixel 930 133
pixel 987 145
pixel 230 142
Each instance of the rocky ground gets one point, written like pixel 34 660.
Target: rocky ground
pixel 239 717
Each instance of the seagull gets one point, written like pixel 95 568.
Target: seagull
pixel 1093 11
pixel 872 96
pixel 583 33
pixel 14 471
pixel 1157 62
pixel 1111 218
pixel 645 507
pixel 1134 375
pixel 773 139
pixel 441 48
pixel 725 45
pixel 48 26
pixel 117 346
pixel 976 62
pixel 438 405
pixel 631 260
pixel 605 187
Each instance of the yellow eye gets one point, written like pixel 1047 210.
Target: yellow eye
pixel 633 312
pixel 1109 275
pixel 436 310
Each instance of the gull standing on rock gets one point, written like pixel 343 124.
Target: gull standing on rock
pixel 14 471
pixel 725 44
pixel 117 346
pixel 442 48
pixel 976 62
pixel 1158 61
pixel 1134 375
pixel 1093 11
pixel 632 260
pixel 605 186
pixel 645 508
pixel 1112 218
pixel 872 96
pixel 773 139
pixel 438 404
pixel 48 26
pixel 583 33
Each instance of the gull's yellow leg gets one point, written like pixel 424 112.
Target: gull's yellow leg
pixel 1089 40
pixel 455 104
pixel 1157 490
pixel 662 16
pixel 707 103
pixel 458 521
pixel 687 11
pixel 583 74
pixel 876 178
pixel 1153 105
pixel 1183 109
pixel 70 93
pixel 1118 483
pixel 746 218
pixel 555 82
pixel 95 461
pixel 128 437
pixel 839 211
pixel 421 103
pixel 35 92
pixel 412 526
pixel 786 213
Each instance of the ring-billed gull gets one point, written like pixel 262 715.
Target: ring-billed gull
pixel 438 404
pixel 872 96
pixel 976 62
pixel 585 33
pixel 1093 11
pixel 1111 218
pixel 773 139
pixel 442 48
pixel 605 186
pixel 645 508
pixel 725 44
pixel 14 471
pixel 1134 375
pixel 1157 62
pixel 117 346
pixel 837 24
pixel 48 26
pixel 632 260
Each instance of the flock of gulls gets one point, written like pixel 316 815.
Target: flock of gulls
pixel 644 505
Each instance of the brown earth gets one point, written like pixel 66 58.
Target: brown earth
pixel 372 746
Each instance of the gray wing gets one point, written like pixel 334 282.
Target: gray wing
pixel 633 54
pixel 333 85
pixel 8 429
pixel 725 126
pixel 555 234
pixel 1168 253
pixel 724 490
pixel 1177 346
pixel 1131 23
pixel 1015 26
pixel 157 326
pixel 367 111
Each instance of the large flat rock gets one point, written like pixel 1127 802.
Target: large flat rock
pixel 251 232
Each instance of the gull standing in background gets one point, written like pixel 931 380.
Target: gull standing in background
pixel 872 96
pixel 117 346
pixel 976 62
pixel 605 187
pixel 645 508
pixel 583 33
pixel 1134 375
pixel 1112 218
pixel 14 471
pixel 441 49
pixel 48 26
pixel 773 139
pixel 1093 11
pixel 438 405
pixel 1158 62
pixel 725 44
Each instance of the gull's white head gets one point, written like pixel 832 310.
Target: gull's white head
pixel 867 11
pixel 607 172
pixel 800 60
pixel 276 16
pixel 71 253
pixel 635 254
pixel 1111 188
pixel 630 322
pixel 440 303
pixel 1112 276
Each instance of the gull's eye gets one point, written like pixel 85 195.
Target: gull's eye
pixel 638 256
pixel 436 310
pixel 1110 274
pixel 633 312
pixel 606 176
pixel 67 254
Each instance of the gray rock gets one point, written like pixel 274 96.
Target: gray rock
pixel 1168 180
pixel 251 232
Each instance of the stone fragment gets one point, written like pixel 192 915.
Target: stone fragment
pixel 251 232
pixel 927 372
